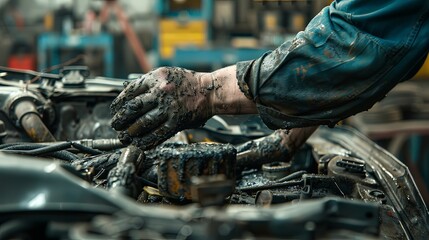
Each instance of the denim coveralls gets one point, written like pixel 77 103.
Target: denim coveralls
pixel 348 57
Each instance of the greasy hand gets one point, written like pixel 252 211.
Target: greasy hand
pixel 154 107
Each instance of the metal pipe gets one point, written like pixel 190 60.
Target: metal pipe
pixel 29 119
pixel 102 144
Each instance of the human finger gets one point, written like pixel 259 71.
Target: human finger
pixel 133 109
pixel 154 138
pixel 149 121
pixel 132 90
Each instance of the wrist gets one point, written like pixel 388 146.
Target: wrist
pixel 206 86
pixel 225 96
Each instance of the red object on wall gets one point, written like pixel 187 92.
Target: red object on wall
pixel 22 61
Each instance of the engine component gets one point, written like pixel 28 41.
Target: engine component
pixel 101 144
pixel 121 177
pixel 385 202
pixel 56 107
pixel 276 170
pixel 74 76
pixel 46 181
pixel 264 198
pixel 22 109
pixel 350 164
pixel 211 190
pixel 180 162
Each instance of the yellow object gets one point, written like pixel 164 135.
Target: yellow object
pixel 298 22
pixel 270 22
pixel 48 21
pixel 245 42
pixel 424 70
pixel 174 34
pixel 151 191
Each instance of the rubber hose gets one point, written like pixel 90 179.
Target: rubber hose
pixel 85 149
pixel 62 154
pixel 50 148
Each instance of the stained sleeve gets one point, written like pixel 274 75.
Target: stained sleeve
pixel 348 57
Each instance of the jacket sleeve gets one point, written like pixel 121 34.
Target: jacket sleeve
pixel 348 57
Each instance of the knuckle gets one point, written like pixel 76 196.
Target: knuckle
pixel 161 70
pixel 162 73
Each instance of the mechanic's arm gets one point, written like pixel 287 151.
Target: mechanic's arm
pixel 350 55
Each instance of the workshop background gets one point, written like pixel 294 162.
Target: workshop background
pixel 117 38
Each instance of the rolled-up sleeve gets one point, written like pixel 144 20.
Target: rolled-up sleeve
pixel 348 57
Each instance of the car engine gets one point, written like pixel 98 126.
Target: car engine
pixel 64 174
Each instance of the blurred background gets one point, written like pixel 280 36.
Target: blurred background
pixel 117 38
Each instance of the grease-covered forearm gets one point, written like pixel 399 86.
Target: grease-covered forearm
pixel 226 97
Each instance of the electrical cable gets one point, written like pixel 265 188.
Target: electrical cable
pixel 63 155
pixel 36 149
pixel 27 149
pixel 21 147
pixel 49 149
pixel 85 149
pixel 5 145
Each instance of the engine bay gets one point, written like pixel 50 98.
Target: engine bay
pixel 231 179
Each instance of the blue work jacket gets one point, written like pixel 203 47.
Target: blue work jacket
pixel 349 57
